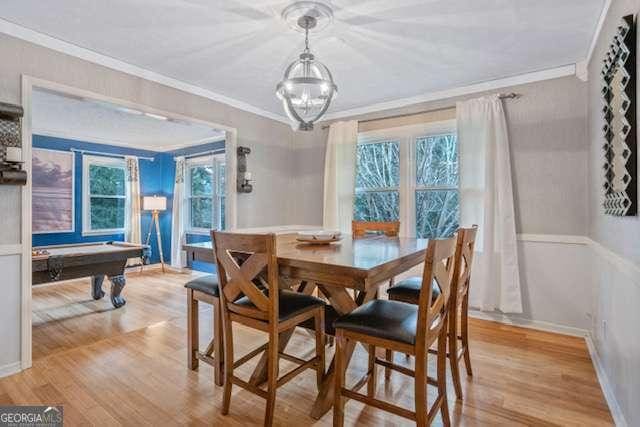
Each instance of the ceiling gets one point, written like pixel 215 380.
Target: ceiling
pixel 377 50
pixel 72 117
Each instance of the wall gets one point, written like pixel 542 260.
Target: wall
pixel 617 252
pixel 547 129
pixel 269 140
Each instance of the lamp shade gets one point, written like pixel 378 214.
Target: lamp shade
pixel 154 203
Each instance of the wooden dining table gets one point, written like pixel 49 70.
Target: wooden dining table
pixel 347 273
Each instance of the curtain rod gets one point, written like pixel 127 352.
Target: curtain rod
pixel 510 95
pixel 100 153
pixel 204 153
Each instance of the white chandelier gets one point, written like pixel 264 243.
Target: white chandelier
pixel 307 89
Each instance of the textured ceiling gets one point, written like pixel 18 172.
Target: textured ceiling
pixel 378 50
pixel 76 118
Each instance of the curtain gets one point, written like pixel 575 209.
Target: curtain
pixel 132 211
pixel 178 256
pixel 339 176
pixel 486 199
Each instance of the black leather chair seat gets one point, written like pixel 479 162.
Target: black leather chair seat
pixel 391 320
pixel 330 316
pixel 290 303
pixel 207 284
pixel 408 290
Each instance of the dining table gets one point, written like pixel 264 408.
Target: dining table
pixel 348 273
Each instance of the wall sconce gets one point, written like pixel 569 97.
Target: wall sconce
pixel 244 177
pixel 11 161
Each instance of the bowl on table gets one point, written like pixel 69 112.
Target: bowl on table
pixel 318 236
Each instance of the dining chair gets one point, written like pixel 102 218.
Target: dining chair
pixel 408 290
pixel 269 309
pixel 204 289
pixel 388 228
pixel 404 327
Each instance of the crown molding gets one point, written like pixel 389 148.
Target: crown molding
pixel 552 73
pixel 596 35
pixel 40 39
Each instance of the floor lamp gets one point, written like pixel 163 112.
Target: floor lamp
pixel 155 204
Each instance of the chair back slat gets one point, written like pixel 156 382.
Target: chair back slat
pixel 242 260
pixel 438 268
pixel 464 260
pixel 388 228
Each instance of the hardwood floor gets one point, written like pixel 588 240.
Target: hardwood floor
pixel 129 367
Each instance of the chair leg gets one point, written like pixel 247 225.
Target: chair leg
pixel 192 330
pixel 371 384
pixel 464 329
pixel 420 385
pixel 389 356
pixel 452 337
pixel 228 363
pixel 272 377
pixel 218 350
pixel 319 327
pixel 442 376
pixel 340 371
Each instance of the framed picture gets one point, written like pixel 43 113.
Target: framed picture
pixel 52 195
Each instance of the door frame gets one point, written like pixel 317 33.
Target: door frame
pixel 28 84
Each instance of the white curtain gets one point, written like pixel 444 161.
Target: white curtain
pixel 486 199
pixel 132 211
pixel 339 176
pixel 178 256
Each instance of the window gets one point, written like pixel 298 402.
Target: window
pixel 205 195
pixel 104 195
pixel 409 174
pixel 377 182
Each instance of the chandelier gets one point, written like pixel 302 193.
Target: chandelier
pixel 307 89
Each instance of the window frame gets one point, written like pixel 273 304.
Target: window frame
pixel 407 137
pixel 217 161
pixel 111 162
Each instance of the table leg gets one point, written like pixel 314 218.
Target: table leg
pixel 117 284
pixel 344 303
pixel 96 287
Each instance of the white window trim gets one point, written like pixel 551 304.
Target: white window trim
pixel 216 161
pixel 86 207
pixel 406 137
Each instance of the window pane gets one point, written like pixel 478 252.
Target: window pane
pixel 377 206
pixel 437 160
pixel 201 212
pixel 107 213
pixel 106 181
pixel 222 178
pixel 201 181
pixel 378 165
pixel 437 213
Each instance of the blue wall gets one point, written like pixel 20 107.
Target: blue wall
pixel 156 178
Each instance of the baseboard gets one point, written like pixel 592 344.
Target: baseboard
pixel 154 267
pixel 605 385
pixel 10 369
pixel 528 323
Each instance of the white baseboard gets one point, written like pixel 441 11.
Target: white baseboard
pixel 605 385
pixel 10 369
pixel 528 323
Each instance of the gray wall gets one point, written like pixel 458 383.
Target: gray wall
pixel 548 148
pixel 617 264
pixel 270 161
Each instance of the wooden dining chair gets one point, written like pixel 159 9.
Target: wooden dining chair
pixel 204 289
pixel 267 309
pixel 408 290
pixel 388 228
pixel 404 327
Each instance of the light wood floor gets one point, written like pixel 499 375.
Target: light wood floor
pixel 129 367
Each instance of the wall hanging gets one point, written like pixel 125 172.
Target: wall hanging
pixel 620 146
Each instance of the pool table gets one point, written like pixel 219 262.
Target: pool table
pixel 95 260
